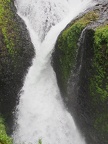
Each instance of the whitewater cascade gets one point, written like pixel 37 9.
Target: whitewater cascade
pixel 41 113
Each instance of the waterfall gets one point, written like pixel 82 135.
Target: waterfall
pixel 41 113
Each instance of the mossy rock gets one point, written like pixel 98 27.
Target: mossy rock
pixel 8 26
pixel 99 82
pixel 16 53
pixel 91 102
pixel 67 43
pixel 4 139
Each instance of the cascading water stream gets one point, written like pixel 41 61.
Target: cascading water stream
pixel 41 113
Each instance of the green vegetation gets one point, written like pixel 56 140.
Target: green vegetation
pixel 8 26
pixel 99 83
pixel 67 43
pixel 4 139
pixel 99 80
pixel 98 86
pixel 40 141
pixel 101 123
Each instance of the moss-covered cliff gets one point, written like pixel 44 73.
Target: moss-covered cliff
pixel 80 60
pixel 68 43
pixel 16 53
pixel 99 82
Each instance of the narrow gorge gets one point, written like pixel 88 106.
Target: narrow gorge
pixel 53 72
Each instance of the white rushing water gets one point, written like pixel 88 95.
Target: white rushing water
pixel 41 113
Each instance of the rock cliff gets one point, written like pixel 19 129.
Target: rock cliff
pixel 16 53
pixel 80 60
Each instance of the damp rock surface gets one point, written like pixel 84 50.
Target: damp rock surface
pixel 80 61
pixel 16 53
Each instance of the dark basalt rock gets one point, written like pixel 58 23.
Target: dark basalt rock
pixel 14 62
pixel 83 86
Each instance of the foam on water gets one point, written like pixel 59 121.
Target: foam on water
pixel 41 113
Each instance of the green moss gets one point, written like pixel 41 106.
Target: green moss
pixel 4 139
pixel 67 43
pixel 99 82
pixel 101 123
pixel 8 25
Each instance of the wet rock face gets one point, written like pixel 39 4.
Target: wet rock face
pixel 16 53
pixel 82 71
pixel 79 99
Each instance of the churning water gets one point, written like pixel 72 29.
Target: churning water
pixel 41 113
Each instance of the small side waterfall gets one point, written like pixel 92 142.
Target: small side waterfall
pixel 41 113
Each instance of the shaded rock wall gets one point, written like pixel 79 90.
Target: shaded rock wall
pixel 80 62
pixel 16 53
